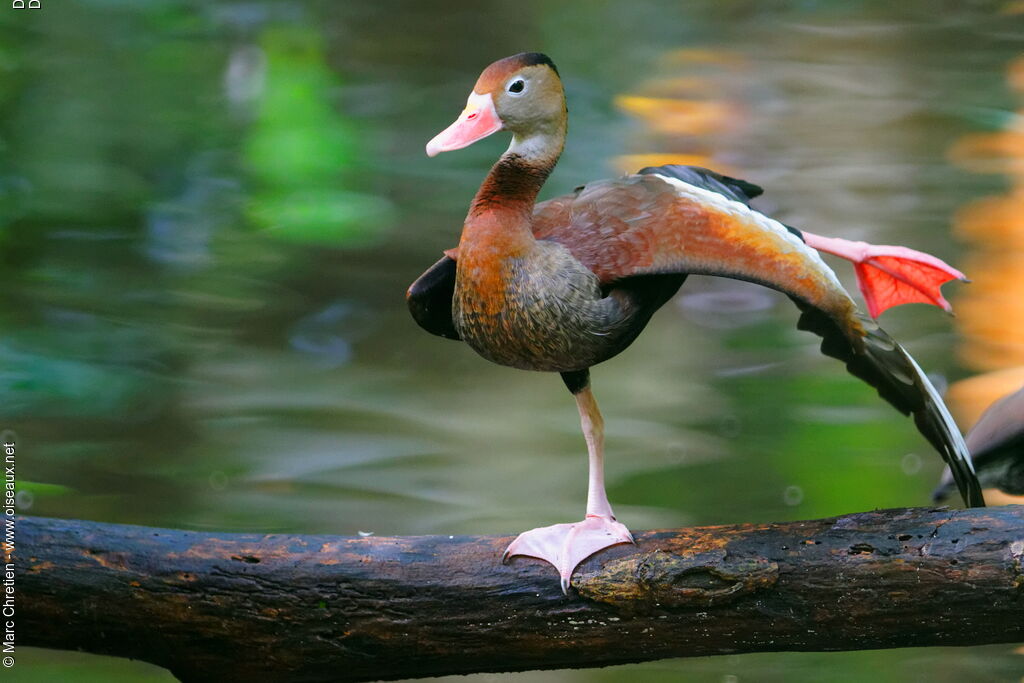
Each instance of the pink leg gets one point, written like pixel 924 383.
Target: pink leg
pixel 890 276
pixel 566 545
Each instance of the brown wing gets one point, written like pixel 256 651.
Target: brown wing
pixel 645 224
pixel 650 224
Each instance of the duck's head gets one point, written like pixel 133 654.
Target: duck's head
pixel 521 94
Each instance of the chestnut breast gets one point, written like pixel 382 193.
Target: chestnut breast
pixel 534 308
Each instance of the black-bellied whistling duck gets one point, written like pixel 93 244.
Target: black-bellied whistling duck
pixel 996 443
pixel 564 285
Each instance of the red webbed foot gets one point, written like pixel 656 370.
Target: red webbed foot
pixel 890 276
pixel 566 545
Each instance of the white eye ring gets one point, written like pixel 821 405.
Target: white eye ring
pixel 516 87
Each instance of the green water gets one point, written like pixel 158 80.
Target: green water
pixel 210 211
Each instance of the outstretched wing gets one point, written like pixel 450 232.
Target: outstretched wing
pixel 651 223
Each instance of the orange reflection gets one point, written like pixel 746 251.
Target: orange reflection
pixel 631 163
pixel 990 313
pixel 1012 7
pixel 675 116
pixel 970 397
pixel 683 110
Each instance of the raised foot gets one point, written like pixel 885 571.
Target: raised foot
pixel 566 545
pixel 890 276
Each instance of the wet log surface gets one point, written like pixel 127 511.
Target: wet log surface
pixel 211 606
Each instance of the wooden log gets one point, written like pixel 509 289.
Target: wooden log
pixel 212 606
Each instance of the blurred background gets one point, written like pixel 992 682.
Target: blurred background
pixel 210 211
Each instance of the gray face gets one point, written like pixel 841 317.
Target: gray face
pixel 530 101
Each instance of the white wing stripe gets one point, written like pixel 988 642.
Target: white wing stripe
pixel 699 194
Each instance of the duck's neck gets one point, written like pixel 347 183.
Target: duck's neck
pixel 510 189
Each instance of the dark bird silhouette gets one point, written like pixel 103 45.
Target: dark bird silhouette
pixel 996 443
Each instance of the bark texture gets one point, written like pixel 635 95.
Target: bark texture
pixel 211 606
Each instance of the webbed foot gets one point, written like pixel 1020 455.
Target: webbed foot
pixel 566 545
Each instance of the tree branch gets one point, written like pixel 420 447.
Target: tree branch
pixel 326 608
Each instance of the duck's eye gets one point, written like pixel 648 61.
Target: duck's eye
pixel 517 86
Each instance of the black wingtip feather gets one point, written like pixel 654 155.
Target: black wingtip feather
pixel 733 188
pixel 886 366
